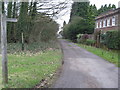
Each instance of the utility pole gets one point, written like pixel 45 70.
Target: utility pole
pixel 4 21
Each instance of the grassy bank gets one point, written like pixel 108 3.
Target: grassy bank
pixel 27 69
pixel 107 55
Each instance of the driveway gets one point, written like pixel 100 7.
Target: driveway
pixel 83 69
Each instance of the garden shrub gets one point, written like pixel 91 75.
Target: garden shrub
pixel 112 40
pixel 90 42
pixel 103 39
pixel 79 38
pixel 85 39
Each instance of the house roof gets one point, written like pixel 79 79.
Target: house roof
pixel 108 13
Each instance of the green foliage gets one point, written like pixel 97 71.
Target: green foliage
pixel 90 42
pixel 35 27
pixel 14 48
pixel 71 30
pixel 9 25
pixel 103 39
pixel 113 6
pixel 106 8
pixel 23 22
pixel 86 24
pixel 79 38
pixel 3 7
pixel 112 40
pixel 79 9
pixel 84 39
pixel 77 26
pixel 44 29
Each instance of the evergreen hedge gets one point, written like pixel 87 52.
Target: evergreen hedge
pixel 112 39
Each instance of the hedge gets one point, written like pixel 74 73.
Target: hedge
pixel 112 40
pixel 90 42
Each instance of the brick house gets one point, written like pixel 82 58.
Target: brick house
pixel 107 20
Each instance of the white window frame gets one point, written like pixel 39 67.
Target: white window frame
pixel 104 23
pixel 100 24
pixel 113 21
pixel 108 22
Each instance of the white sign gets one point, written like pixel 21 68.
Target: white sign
pixel 11 20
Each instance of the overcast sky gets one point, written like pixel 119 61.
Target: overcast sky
pixel 98 4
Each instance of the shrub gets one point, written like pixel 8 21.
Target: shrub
pixel 77 26
pixel 112 40
pixel 90 42
pixel 79 38
pixel 85 37
pixel 103 39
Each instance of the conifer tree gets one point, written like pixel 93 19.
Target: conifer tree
pixel 113 6
pixel 22 21
pixel 14 25
pixel 3 7
pixel 9 25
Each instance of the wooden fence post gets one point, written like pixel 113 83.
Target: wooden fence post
pixel 4 49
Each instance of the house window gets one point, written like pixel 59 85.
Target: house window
pixel 97 25
pixel 100 24
pixel 108 22
pixel 113 21
pixel 104 23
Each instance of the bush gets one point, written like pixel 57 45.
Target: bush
pixel 81 38
pixel 112 40
pixel 85 37
pixel 90 42
pixel 77 26
pixel 103 39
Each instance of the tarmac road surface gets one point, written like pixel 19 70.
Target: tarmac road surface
pixel 82 69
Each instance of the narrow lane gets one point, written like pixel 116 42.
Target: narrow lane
pixel 83 69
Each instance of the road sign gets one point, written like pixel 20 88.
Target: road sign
pixel 4 21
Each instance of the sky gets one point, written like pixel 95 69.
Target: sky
pixel 98 4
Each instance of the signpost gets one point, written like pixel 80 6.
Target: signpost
pixel 4 21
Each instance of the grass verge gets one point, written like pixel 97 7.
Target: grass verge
pixel 27 70
pixel 107 55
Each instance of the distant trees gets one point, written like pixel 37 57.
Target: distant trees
pixel 34 26
pixel 76 26
pixel 106 8
pixel 23 22
pixel 9 15
pixel 81 20
pixel 79 9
